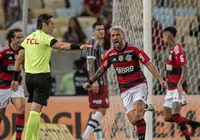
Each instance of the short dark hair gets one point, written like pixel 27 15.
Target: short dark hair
pixel 96 24
pixel 11 33
pixel 171 29
pixel 43 18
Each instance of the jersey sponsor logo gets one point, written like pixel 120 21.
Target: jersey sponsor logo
pixel 128 57
pixel 97 101
pixel 32 41
pixel 121 58
pixel 121 70
pixel 169 67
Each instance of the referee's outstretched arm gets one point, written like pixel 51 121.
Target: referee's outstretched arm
pixel 69 46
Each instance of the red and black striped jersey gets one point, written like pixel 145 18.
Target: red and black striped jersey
pixel 126 64
pixel 95 52
pixel 175 59
pixel 7 62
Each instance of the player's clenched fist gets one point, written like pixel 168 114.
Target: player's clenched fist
pixel 14 86
pixel 87 86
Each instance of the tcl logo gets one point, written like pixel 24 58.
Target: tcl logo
pixel 31 41
pixel 121 70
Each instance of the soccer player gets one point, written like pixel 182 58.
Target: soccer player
pixel 125 58
pixel 8 55
pixel 98 96
pixel 176 66
pixel 36 53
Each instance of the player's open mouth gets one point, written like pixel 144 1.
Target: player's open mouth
pixel 116 43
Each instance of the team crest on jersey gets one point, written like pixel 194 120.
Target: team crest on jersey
pixel 121 58
pixel 15 56
pixel 128 57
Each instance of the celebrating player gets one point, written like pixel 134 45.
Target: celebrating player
pixel 176 66
pixel 8 55
pixel 98 96
pixel 125 58
pixel 36 53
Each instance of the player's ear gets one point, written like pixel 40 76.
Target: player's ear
pixel 43 24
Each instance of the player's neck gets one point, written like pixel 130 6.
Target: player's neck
pixel 122 46
pixel 14 47
pixel 100 41
pixel 172 43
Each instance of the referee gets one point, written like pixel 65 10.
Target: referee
pixel 36 53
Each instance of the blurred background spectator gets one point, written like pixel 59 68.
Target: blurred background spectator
pixel 106 15
pixel 67 84
pixel 31 23
pixel 75 33
pixel 72 83
pixel 12 11
pixel 92 7
pixel 80 76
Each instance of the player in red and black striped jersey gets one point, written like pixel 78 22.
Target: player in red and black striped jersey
pixel 98 95
pixel 125 58
pixel 176 67
pixel 8 54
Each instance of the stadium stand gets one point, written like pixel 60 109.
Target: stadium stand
pixel 167 17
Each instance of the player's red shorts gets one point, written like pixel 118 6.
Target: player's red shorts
pixel 100 99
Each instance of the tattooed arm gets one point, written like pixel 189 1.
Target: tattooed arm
pixel 98 74
pixel 95 77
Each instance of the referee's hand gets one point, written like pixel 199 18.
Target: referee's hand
pixel 14 86
pixel 84 47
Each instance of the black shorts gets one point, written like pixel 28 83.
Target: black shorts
pixel 39 87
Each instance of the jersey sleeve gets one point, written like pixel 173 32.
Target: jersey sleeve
pixel 91 51
pixel 47 39
pixel 142 56
pixel 106 62
pixel 179 55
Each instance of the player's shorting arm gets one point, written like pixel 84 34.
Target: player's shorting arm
pixel 90 64
pixel 97 75
pixel 153 70
pixel 18 62
pixel 183 74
